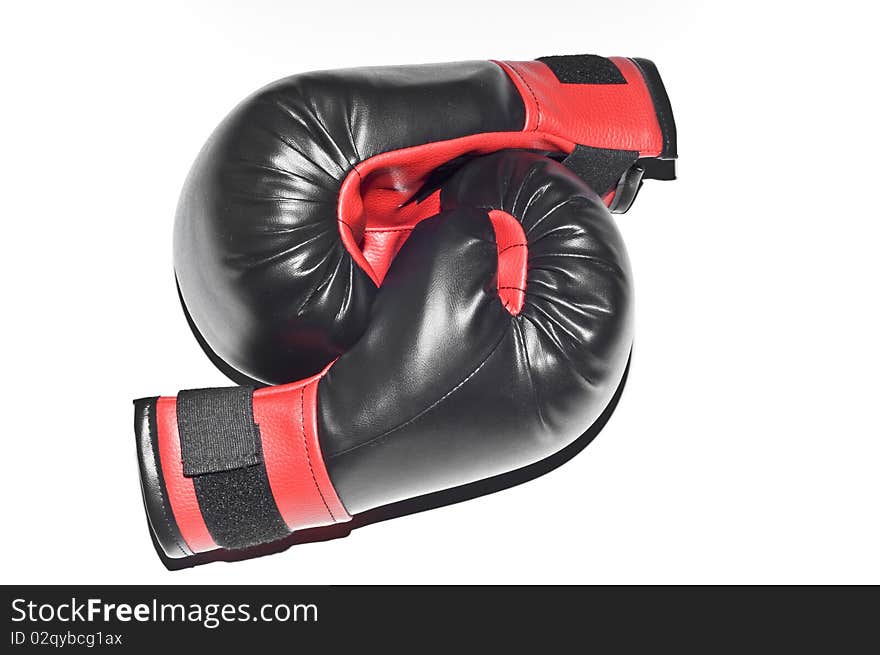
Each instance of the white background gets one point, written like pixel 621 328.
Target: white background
pixel 746 446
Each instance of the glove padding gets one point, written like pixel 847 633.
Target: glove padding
pixel 498 336
pixel 299 201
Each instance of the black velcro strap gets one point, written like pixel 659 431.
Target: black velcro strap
pixel 222 452
pixel 601 168
pixel 584 69
pixel 238 507
pixel 217 431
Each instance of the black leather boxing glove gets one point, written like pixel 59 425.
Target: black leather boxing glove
pixel 500 333
pixel 297 204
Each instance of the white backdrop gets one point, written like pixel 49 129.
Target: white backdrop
pixel 746 446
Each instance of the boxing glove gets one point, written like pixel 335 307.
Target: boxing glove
pixel 297 204
pixel 498 336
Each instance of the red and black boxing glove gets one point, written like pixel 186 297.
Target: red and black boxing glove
pixel 498 336
pixel 299 201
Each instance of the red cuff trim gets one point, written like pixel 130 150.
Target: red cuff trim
pixel 301 486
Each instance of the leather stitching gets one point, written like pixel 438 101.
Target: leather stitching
pixel 514 245
pixel 302 416
pixel 534 96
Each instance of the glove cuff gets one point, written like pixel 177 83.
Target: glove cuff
pixel 232 468
pixel 614 103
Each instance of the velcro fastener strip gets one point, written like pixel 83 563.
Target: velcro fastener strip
pixel 583 69
pixel 601 168
pixel 221 452
pixel 217 431
pixel 238 507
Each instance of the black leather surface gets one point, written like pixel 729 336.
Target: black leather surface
pixel 163 527
pixel 445 387
pixel 257 252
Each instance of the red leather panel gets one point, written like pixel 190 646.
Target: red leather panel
pixel 513 257
pixel 300 484
pixel 381 246
pixel 615 116
pixel 181 492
